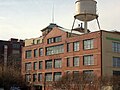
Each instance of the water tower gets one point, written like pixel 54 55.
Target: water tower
pixel 85 11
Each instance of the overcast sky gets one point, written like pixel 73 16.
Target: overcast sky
pixel 24 19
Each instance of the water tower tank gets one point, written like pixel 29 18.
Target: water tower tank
pixel 85 10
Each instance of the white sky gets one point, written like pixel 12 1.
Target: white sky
pixel 24 19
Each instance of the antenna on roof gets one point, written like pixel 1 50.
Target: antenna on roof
pixel 53 13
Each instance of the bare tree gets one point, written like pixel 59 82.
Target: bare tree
pixel 111 82
pixel 87 82
pixel 14 61
pixel 10 77
pixel 76 82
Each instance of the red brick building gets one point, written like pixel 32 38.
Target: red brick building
pixel 62 52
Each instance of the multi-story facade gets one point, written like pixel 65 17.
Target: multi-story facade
pixel 62 51
pixel 110 53
pixel 11 52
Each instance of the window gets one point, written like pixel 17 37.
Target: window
pixel 54 39
pixel 40 77
pixel 68 62
pixel 116 47
pixel 34 77
pixel 88 72
pixel 75 72
pixel 58 39
pixel 33 41
pixel 28 54
pixel 28 66
pixel 48 64
pixel 35 66
pixel 57 63
pixel 27 77
pixel 116 73
pixel 40 64
pixel 75 61
pixel 41 52
pixel 48 76
pixel 57 76
pixel 38 41
pixel 55 50
pixel 116 61
pixel 89 75
pixel 68 47
pixel 15 51
pixel 35 53
pixel 16 46
pixel 50 40
pixel 88 60
pixel 67 72
pixel 76 46
pixel 88 44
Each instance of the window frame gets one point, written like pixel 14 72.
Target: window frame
pixel 35 53
pixel 28 66
pixel 76 46
pixel 116 47
pixel 57 49
pixel 88 60
pixel 35 66
pixel 116 61
pixel 57 77
pixel 59 62
pixel 40 77
pixel 68 62
pixel 88 44
pixel 40 65
pixel 27 77
pixel 54 39
pixel 47 79
pixel 68 47
pixel 48 64
pixel 28 54
pixel 41 51
pixel 76 61
pixel 116 73
pixel 34 77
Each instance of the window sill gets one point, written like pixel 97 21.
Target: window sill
pixel 58 68
pixel 89 49
pixel 89 65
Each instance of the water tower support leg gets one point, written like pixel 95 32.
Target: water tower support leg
pixel 73 25
pixel 85 26
pixel 98 23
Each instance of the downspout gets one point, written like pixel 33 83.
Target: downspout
pixel 101 52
